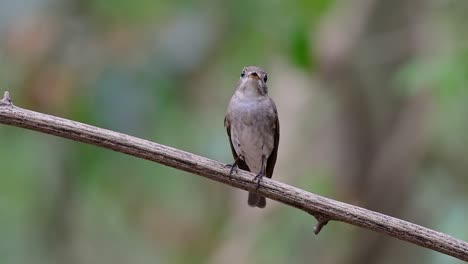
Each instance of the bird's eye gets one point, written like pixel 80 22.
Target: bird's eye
pixel 243 73
pixel 265 78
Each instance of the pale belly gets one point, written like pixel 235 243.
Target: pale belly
pixel 252 137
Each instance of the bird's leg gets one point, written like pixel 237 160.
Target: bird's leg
pixel 234 166
pixel 258 178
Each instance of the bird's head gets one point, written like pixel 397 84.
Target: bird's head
pixel 253 81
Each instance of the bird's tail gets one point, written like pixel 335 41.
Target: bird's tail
pixel 256 200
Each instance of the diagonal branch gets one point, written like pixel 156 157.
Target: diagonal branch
pixel 324 209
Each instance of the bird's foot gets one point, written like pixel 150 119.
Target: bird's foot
pixel 234 168
pixel 258 178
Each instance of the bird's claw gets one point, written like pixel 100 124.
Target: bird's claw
pixel 258 178
pixel 234 168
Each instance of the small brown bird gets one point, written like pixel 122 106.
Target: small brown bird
pixel 253 128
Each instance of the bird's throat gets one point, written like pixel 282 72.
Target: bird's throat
pixel 250 89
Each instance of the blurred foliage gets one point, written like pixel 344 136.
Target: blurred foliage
pixel 164 71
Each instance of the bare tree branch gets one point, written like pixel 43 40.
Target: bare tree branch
pixel 324 209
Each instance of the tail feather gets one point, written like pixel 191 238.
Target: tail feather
pixel 256 200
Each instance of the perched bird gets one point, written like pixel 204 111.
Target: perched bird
pixel 253 128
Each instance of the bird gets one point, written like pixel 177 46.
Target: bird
pixel 253 128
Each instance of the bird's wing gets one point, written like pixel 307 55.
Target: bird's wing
pixel 272 158
pixel 240 163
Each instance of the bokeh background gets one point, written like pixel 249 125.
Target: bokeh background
pixel 372 97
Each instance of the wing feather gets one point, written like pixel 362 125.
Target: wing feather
pixel 271 161
pixel 240 163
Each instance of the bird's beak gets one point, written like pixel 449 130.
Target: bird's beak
pixel 254 75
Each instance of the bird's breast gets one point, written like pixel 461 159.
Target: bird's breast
pixel 252 131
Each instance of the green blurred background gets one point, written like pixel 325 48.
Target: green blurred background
pixel 373 108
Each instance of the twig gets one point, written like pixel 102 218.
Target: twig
pixel 6 99
pixel 324 209
pixel 322 221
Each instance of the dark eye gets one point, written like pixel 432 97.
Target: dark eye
pixel 243 73
pixel 265 78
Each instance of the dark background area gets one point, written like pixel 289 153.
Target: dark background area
pixel 372 97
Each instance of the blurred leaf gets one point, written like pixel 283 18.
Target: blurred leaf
pixel 447 76
pixel 300 47
pixel 128 11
